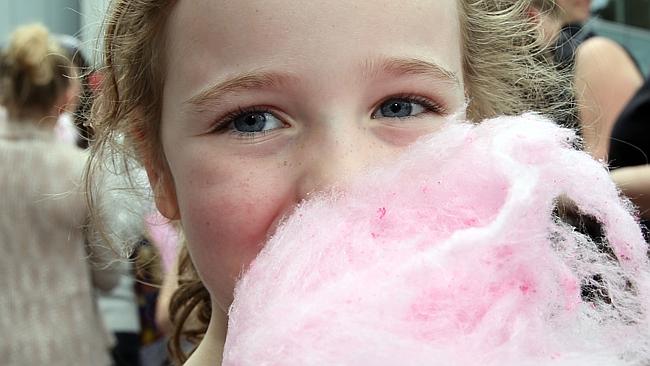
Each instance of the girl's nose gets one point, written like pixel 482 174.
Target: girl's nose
pixel 333 159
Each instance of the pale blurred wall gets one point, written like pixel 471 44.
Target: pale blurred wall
pixel 83 18
pixel 80 18
pixel 60 16
pixel 92 14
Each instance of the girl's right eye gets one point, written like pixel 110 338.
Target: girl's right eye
pixel 251 123
pixel 256 122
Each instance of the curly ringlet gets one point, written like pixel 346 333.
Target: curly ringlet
pixel 33 73
pixel 505 72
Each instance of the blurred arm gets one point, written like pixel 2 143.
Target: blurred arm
pixel 635 183
pixel 606 79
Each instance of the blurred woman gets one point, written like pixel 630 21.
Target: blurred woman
pixel 605 75
pixel 47 271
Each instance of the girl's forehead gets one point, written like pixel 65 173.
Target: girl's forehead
pixel 207 37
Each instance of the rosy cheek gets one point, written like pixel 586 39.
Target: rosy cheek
pixel 226 226
pixel 407 133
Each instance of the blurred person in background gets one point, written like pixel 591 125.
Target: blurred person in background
pixel 119 310
pixel 76 120
pixel 629 151
pixel 605 75
pixel 613 106
pixel 72 124
pixel 3 116
pixel 47 270
pixel 3 111
pixel 118 307
pixel 65 127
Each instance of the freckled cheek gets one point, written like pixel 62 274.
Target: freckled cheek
pixel 226 226
pixel 407 133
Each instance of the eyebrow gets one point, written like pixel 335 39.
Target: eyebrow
pixel 409 66
pixel 242 82
pixel 371 68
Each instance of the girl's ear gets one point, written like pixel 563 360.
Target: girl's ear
pixel 164 190
pixel 533 14
pixel 160 178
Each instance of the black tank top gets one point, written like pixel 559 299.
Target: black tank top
pixel 564 52
pixel 571 36
pixel 630 141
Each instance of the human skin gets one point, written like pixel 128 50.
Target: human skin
pixel 574 10
pixel 634 182
pixel 606 78
pixel 322 78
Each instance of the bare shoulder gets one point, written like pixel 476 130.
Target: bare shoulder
pixel 600 53
pixel 605 80
pixel 600 44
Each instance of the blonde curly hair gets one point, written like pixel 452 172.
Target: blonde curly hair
pixel 504 67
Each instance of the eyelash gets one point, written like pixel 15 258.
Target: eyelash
pixel 227 120
pixel 429 105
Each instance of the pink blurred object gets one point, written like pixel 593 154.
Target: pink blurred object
pixel 65 130
pixel 164 236
pixel 452 256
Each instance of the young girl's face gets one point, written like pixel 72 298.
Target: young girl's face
pixel 268 101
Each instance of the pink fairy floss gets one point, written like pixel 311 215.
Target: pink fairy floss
pixel 430 261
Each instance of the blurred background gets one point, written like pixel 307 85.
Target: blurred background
pixel 626 21
pixel 80 18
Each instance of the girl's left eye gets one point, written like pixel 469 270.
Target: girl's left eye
pixel 403 107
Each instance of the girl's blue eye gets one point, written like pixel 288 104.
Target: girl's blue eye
pixel 252 122
pixel 402 108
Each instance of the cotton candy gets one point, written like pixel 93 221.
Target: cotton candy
pixel 453 255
